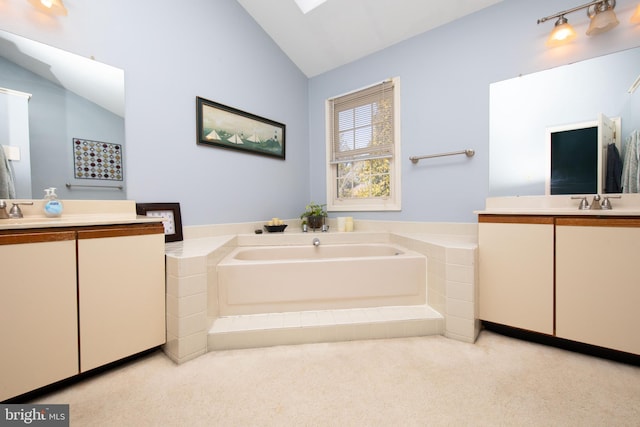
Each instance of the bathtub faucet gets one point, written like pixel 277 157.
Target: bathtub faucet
pixel 316 242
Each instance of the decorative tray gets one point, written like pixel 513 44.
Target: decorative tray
pixel 275 228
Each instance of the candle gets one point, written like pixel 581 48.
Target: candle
pixel 348 224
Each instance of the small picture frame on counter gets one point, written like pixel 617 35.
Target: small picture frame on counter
pixel 171 214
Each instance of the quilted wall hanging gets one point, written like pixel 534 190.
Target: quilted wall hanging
pixel 97 160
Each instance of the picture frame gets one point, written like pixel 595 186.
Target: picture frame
pixel 171 212
pixel 222 126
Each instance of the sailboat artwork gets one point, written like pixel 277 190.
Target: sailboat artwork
pixel 226 127
pixel 213 135
pixel 235 139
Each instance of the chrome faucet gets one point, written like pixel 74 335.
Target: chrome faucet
pixel 595 204
pixel 3 210
pixel 316 242
pixel 606 204
pixel 598 202
pixel 583 202
pixel 15 211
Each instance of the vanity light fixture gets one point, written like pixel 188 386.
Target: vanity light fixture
pixel 600 12
pixel 562 32
pixel 54 7
pixel 602 16
pixel 635 18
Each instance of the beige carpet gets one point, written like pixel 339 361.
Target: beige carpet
pixel 427 381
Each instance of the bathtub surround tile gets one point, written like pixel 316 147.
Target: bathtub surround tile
pixel 460 256
pixel 189 325
pixel 190 305
pixel 270 321
pixel 325 318
pixel 341 317
pixel 308 318
pixel 186 348
pixel 187 285
pixel 460 308
pixel 466 330
pixel 171 305
pixel 246 331
pixel 291 319
pixel 221 324
pixel 461 291
pixel 460 273
pixel 181 267
pixel 358 316
pixel 451 251
pixel 187 275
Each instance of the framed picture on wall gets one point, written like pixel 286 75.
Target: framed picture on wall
pixel 170 212
pixel 226 127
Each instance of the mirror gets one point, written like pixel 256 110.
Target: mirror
pixel 524 111
pixel 75 116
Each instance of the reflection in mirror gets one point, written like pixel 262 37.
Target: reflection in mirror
pixel 71 98
pixel 525 110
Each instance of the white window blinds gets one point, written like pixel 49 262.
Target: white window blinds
pixel 362 125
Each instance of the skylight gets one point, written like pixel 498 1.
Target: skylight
pixel 308 5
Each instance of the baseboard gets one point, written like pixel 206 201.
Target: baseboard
pixel 565 344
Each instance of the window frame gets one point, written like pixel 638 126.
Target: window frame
pixel 393 202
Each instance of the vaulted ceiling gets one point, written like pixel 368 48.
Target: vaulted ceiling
pixel 340 31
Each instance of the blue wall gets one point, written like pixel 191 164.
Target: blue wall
pixel 215 50
pixel 445 76
pixel 56 117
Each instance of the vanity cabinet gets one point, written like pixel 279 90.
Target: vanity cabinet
pixel 598 282
pixel 121 293
pixel 516 271
pixel 76 298
pixel 38 310
pixel 572 277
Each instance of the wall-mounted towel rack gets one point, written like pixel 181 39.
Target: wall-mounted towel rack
pixel 119 187
pixel 469 153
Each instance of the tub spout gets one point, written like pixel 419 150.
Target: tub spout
pixel 316 242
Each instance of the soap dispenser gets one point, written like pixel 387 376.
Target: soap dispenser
pixel 52 206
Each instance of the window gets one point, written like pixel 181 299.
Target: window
pixel 363 149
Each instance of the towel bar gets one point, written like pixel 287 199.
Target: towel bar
pixel 469 153
pixel 119 187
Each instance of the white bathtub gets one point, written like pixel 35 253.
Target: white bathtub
pixel 271 279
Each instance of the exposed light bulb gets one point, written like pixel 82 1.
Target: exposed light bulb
pixel 51 7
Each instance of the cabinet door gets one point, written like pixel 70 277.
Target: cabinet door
pixel 516 271
pixel 38 310
pixel 121 292
pixel 598 282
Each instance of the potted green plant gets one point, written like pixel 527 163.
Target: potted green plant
pixel 314 215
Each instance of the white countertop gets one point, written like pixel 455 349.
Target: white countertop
pixel 559 212
pixel 76 213
pixel 627 205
